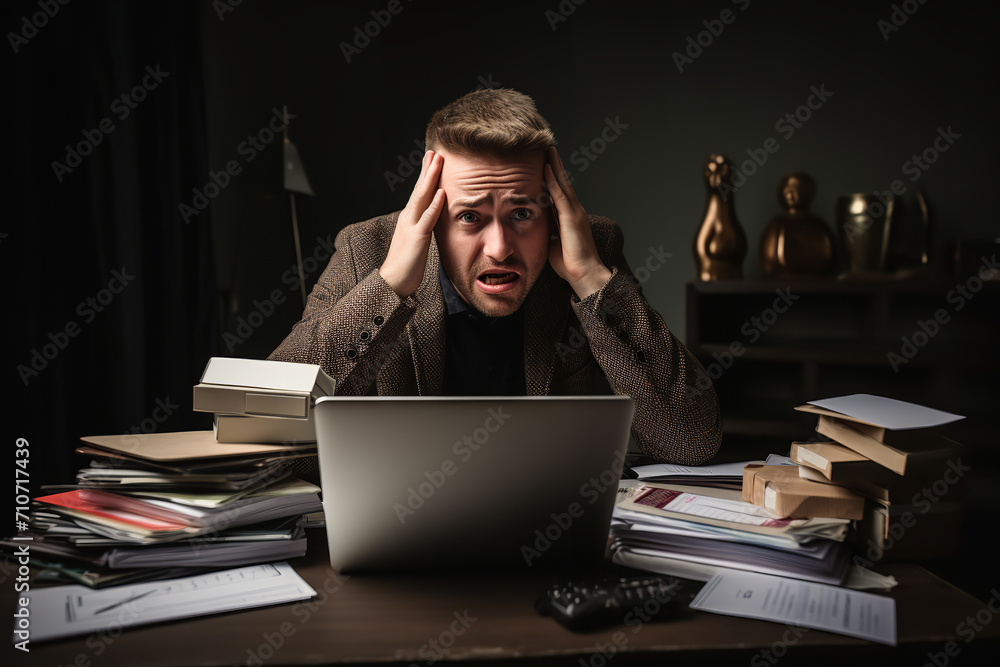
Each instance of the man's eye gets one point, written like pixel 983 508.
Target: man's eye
pixel 467 217
pixel 521 214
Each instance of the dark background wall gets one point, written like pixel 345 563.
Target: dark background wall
pixel 354 120
pixel 200 277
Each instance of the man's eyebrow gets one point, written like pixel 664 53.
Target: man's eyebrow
pixel 469 202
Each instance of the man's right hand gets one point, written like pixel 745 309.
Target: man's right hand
pixel 406 260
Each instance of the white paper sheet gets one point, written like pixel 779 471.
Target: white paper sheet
pixel 800 603
pixel 62 611
pixel 625 519
pixel 673 469
pixel 887 412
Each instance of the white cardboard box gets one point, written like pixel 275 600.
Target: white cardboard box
pixel 261 388
pixel 264 430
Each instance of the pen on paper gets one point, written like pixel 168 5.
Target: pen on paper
pixel 123 602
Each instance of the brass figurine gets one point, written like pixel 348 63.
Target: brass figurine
pixel 796 243
pixel 721 245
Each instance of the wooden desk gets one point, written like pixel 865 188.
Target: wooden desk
pixel 366 619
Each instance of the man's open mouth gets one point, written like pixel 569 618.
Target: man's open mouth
pixel 498 278
pixel 497 281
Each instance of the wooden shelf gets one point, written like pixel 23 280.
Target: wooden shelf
pixel 767 354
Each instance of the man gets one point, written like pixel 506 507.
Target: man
pixel 493 280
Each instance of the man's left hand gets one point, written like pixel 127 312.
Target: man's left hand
pixel 574 254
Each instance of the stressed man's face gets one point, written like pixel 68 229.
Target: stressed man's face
pixel 493 234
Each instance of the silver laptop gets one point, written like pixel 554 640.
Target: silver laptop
pixel 418 482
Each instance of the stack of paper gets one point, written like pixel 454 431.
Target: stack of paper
pixel 895 455
pixel 690 520
pixel 173 500
pixel 658 528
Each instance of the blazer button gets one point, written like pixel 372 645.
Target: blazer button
pixel 640 357
pixel 365 334
pixel 352 352
pixel 623 336
pixel 378 320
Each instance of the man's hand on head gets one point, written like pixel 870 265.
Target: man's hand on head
pixel 404 264
pixel 574 254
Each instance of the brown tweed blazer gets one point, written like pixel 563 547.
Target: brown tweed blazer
pixel 369 339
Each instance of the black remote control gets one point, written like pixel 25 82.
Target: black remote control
pixel 592 605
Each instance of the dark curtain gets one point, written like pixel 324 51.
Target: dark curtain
pixel 111 309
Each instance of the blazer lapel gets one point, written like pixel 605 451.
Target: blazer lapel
pixel 546 309
pixel 426 329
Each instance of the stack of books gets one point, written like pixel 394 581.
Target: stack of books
pixel 896 456
pixel 146 505
pixel 695 530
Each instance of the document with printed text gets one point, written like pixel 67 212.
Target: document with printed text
pixel 800 603
pixel 62 611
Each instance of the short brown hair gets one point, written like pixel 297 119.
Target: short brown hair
pixel 489 122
